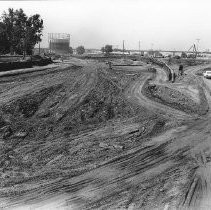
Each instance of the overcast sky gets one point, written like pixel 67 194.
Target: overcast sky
pixel 163 24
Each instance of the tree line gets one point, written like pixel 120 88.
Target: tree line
pixel 18 32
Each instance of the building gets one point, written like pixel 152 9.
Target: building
pixel 59 43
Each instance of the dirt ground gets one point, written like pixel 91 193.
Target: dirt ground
pixel 78 135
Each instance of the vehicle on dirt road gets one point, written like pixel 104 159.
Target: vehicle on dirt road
pixel 207 74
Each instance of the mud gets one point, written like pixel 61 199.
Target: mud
pixel 81 136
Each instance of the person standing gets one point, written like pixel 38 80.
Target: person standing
pixel 181 71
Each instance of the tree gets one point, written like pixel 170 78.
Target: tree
pixel 4 44
pixel 80 50
pixel 108 49
pixel 117 50
pixel 22 32
pixel 71 50
pixel 33 32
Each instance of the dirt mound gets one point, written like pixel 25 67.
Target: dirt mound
pixel 70 127
pixel 186 61
pixel 7 66
pixel 84 132
pixel 28 104
pixel 176 99
pixel 123 61
pixel 106 101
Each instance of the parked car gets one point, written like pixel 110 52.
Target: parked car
pixel 207 74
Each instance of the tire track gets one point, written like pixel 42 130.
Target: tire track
pixel 136 172
pixel 136 92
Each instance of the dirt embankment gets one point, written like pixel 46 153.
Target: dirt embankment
pixel 176 99
pixel 184 94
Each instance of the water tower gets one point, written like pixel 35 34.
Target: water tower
pixel 59 43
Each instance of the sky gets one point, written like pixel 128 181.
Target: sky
pixel 157 24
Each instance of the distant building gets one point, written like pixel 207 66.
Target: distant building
pixel 155 53
pixel 93 51
pixel 59 43
pixel 142 53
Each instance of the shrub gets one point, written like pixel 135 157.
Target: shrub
pixel 80 50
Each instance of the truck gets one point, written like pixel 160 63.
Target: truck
pixel 207 74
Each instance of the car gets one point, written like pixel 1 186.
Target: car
pixel 207 74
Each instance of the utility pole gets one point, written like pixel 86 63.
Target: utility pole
pixel 152 49
pixel 123 47
pixel 39 48
pixel 139 47
pixel 24 48
pixel 152 46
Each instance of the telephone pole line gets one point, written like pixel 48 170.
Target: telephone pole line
pixel 39 48
pixel 139 47
pixel 123 47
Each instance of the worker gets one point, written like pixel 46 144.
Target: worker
pixel 181 71
pixel 173 77
pixel 109 64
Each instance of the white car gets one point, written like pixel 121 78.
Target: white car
pixel 207 74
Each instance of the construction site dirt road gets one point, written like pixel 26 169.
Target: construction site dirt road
pixel 82 136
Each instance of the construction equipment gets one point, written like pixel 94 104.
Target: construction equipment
pixel 193 50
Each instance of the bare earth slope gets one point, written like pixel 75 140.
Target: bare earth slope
pixel 86 137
